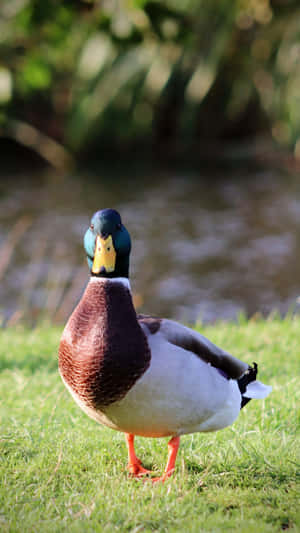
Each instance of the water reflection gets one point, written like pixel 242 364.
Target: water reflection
pixel 203 246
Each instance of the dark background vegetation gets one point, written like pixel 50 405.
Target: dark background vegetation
pixel 174 76
pixel 182 114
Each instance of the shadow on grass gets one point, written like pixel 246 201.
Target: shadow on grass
pixel 193 467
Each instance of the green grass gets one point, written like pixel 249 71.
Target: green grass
pixel 60 471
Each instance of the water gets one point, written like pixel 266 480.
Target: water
pixel 204 246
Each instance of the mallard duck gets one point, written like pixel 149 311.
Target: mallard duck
pixel 143 375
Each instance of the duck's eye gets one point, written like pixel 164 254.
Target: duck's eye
pixel 108 249
pixel 92 227
pixel 119 226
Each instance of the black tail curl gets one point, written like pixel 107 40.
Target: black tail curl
pixel 248 377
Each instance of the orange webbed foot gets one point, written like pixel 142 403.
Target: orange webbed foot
pixel 162 478
pixel 137 470
pixel 134 464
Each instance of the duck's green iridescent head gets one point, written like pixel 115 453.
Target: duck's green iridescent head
pixel 107 244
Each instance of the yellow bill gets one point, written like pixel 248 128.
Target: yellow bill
pixel 105 255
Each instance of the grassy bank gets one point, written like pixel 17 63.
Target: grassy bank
pixel 60 471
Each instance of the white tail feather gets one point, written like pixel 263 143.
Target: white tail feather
pixel 257 390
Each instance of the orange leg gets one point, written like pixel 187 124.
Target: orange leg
pixel 173 446
pixel 134 464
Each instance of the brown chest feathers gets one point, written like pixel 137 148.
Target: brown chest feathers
pixel 103 350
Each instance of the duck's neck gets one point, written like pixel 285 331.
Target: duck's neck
pixel 124 281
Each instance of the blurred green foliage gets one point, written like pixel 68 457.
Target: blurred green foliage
pixel 92 72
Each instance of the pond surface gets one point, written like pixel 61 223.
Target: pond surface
pixel 205 247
